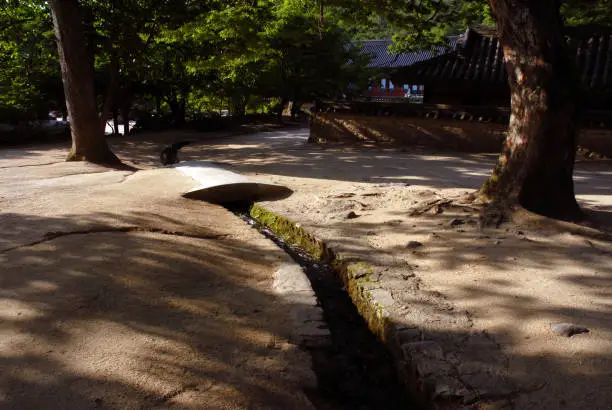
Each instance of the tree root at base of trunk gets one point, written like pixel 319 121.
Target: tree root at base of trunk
pixel 495 214
pixel 108 160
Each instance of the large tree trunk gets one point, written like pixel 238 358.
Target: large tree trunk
pixel 238 106
pixel 125 112
pixel 177 107
pixel 115 120
pixel 537 162
pixel 88 140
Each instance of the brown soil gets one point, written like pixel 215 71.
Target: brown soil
pixel 510 283
pixel 118 293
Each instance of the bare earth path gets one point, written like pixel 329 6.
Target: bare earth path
pixel 468 289
pixel 488 297
pixel 117 293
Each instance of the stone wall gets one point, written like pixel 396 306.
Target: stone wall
pixel 440 134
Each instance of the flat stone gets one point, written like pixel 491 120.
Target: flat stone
pixel 382 297
pixel 290 278
pixel 219 186
pixel 450 387
pixel 568 329
pixel 427 366
pixel 314 334
pixel 305 314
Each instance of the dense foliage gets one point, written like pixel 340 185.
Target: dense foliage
pixel 185 58
pixel 179 58
pixel 30 83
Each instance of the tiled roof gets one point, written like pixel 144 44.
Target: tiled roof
pixel 480 59
pixel 382 58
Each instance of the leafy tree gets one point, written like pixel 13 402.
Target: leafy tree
pixel 30 84
pixel 306 65
pixel 88 141
pixel 580 12
pixel 175 52
pixel 536 165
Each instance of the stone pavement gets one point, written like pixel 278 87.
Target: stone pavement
pixel 115 292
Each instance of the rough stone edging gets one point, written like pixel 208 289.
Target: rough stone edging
pixel 293 286
pixel 417 360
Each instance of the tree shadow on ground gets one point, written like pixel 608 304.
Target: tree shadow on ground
pixel 511 283
pixel 286 153
pixel 163 308
pixel 141 320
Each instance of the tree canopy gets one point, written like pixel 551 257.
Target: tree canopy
pixel 179 57
pixel 182 58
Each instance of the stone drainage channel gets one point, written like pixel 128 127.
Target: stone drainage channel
pixel 354 371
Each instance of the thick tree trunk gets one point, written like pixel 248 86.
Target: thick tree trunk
pixel 178 111
pixel 125 112
pixel 88 140
pixel 115 120
pixel 238 106
pixel 536 165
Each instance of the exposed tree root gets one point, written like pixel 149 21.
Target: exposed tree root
pixel 106 159
pixel 494 214
pixel 434 206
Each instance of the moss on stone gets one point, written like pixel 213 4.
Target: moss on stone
pixel 355 275
pixel 290 232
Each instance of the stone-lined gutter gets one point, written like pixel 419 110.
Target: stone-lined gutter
pixel 432 382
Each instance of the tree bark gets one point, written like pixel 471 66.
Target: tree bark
pixel 238 106
pixel 177 107
pixel 88 140
pixel 321 17
pixel 125 112
pixel 115 120
pixel 536 166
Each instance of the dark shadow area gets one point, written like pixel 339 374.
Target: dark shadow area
pixel 154 317
pixel 513 283
pixel 355 370
pixel 286 153
pixel 124 319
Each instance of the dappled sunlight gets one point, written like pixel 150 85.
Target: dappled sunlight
pixel 453 279
pixel 168 304
pixel 115 290
pixel 124 257
pixel 286 153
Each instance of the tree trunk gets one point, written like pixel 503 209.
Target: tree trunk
pixel 178 111
pixel 321 17
pixel 88 140
pixel 115 120
pixel 238 106
pixel 536 165
pixel 125 112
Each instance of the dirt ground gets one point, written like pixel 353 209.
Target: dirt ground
pixel 117 293
pixel 504 287
pixel 456 280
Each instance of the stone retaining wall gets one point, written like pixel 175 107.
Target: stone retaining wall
pixel 442 134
